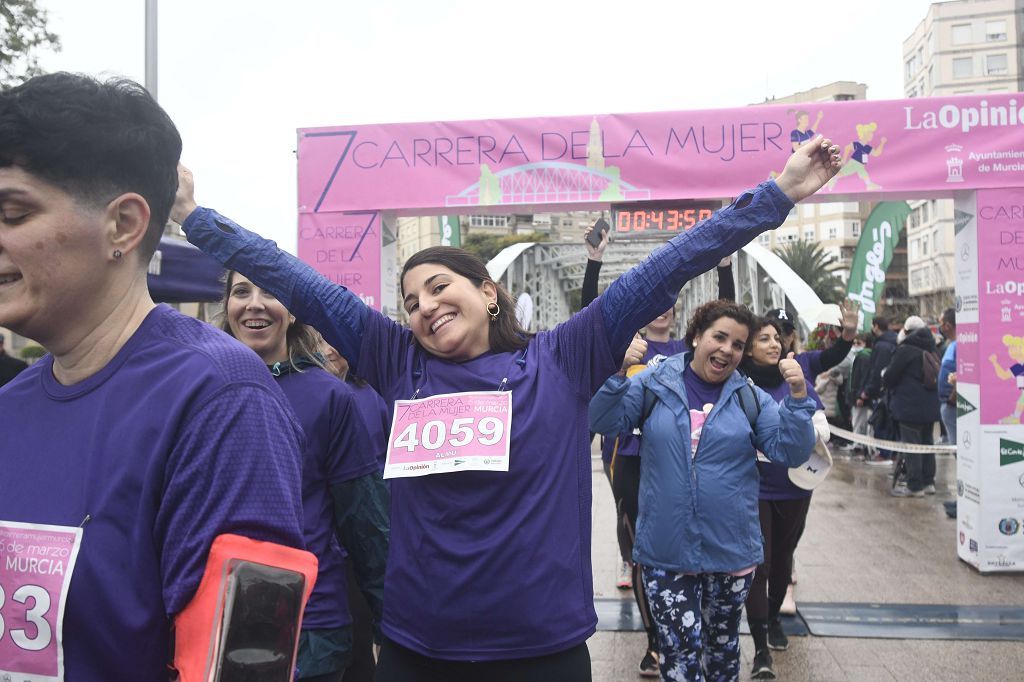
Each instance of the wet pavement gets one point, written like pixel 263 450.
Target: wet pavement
pixel 860 545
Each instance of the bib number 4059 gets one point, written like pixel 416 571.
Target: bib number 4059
pixel 435 434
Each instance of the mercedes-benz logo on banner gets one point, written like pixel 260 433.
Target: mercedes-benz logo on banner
pixel 967 439
pixel 959 304
pixel 965 253
pixel 1021 480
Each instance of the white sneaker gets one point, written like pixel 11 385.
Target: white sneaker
pixel 929 489
pixel 789 603
pixel 625 580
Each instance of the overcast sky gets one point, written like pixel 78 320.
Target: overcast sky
pixel 238 78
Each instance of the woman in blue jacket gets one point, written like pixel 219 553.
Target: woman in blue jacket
pixel 698 535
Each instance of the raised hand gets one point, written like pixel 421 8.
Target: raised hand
pixel 849 318
pixel 635 353
pixel 184 198
pixel 595 253
pixel 812 165
pixel 793 375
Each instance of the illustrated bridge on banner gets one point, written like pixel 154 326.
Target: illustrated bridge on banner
pixel 547 182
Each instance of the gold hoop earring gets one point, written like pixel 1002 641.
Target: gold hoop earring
pixel 493 310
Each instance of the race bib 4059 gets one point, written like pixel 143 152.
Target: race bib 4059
pixel 450 432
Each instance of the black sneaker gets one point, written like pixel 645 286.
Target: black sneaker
pixel 649 665
pixel 762 669
pixel 777 639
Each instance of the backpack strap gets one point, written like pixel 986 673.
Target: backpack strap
pixel 749 402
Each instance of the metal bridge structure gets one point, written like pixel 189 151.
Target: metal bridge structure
pixel 550 272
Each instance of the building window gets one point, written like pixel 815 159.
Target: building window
pixel 833 233
pixel 765 239
pixel 995 65
pixel 855 228
pixel 995 30
pixel 808 234
pixel 963 67
pixel 488 221
pixel 924 245
pixel 961 34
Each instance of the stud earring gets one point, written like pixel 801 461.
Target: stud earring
pixel 117 253
pixel 493 310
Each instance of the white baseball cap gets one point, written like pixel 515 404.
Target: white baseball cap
pixel 811 473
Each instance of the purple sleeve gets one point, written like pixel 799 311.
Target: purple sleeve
pixel 350 453
pixel 810 363
pixel 333 310
pixel 648 289
pixel 580 347
pixel 235 469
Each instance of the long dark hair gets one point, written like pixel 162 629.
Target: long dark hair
pixel 505 333
pixel 705 316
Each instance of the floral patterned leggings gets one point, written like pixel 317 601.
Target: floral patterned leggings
pixel 698 623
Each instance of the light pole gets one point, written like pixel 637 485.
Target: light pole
pixel 151 48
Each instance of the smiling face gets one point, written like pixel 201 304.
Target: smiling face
pixel 766 346
pixel 53 257
pixel 448 312
pixel 719 349
pixel 257 319
pixel 662 323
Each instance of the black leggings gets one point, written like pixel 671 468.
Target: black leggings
pixel 399 664
pixel 626 489
pixel 782 524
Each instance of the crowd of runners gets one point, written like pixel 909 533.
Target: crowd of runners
pixel 179 500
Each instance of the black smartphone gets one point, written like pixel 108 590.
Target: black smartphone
pixel 261 623
pixel 601 227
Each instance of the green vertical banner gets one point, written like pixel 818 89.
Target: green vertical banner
pixel 874 254
pixel 450 233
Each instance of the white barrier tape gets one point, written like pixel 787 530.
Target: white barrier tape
pixel 893 445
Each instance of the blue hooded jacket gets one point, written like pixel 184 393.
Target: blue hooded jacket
pixel 700 515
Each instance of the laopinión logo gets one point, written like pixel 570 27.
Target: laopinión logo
pixel 1010 452
pixel 1009 526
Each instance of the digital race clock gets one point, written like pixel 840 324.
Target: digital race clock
pixel 659 219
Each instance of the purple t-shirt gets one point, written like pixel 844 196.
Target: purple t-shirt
pixel 699 392
pixel 489 565
pixel 626 444
pixel 377 416
pixel 181 437
pixel 775 483
pixel 337 450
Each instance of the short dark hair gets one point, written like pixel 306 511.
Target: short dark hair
pixel 95 140
pixel 505 334
pixel 881 323
pixel 949 315
pixel 706 315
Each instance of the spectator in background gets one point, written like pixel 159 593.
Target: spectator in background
pixel 947 388
pixel 860 369
pixel 914 402
pixel 881 354
pixel 10 367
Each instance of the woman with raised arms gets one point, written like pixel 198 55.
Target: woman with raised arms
pixel 489 574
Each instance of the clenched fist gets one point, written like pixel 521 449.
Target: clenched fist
pixel 635 353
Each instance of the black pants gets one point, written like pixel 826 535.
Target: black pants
pixel 621 530
pixel 361 664
pixel 626 489
pixel 782 524
pixel 920 466
pixel 398 664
